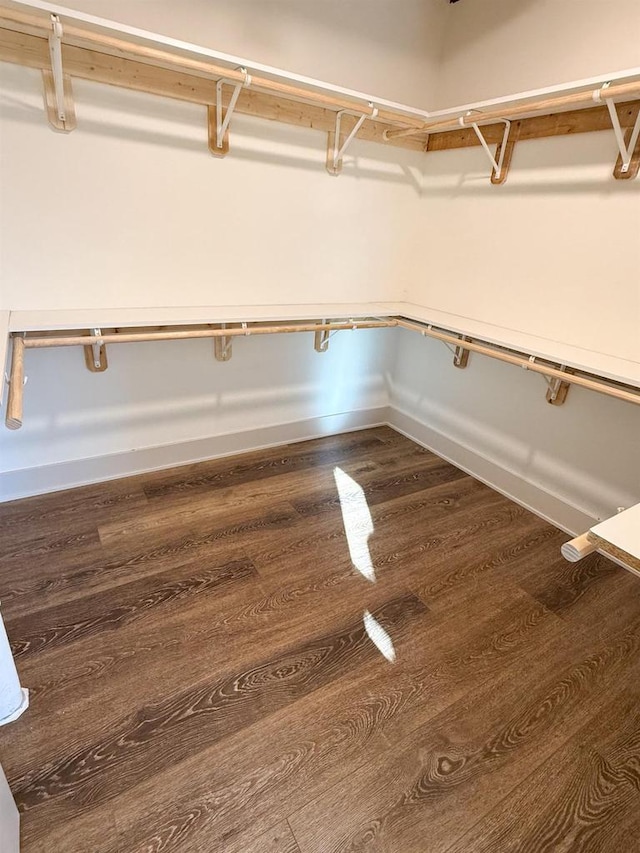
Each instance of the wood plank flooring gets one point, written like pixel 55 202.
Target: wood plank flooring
pixel 215 665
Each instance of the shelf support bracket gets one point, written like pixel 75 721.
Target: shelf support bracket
pixel 321 339
pixel 625 168
pixel 461 356
pixel 335 151
pixel 557 389
pixel 95 355
pixel 222 346
pixel 497 162
pixel 58 95
pixel 219 119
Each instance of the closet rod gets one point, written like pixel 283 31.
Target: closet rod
pixel 528 363
pixel 576 100
pixel 21 342
pixel 14 414
pixel 242 331
pixel 13 418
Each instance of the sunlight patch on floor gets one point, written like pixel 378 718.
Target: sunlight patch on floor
pixel 357 522
pixel 379 637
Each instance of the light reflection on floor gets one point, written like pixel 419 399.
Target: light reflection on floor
pixel 358 525
pixel 379 636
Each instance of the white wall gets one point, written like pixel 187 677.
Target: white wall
pixel 553 252
pixel 585 453
pixel 497 47
pixel 388 48
pixel 131 210
pixel 163 394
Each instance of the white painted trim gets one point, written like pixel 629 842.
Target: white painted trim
pixel 65 475
pixel 543 503
pixel 25 482
pixel 9 818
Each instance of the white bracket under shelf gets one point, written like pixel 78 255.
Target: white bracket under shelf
pixel 460 353
pixel 55 52
pixel 626 151
pixel 557 388
pixel 498 163
pixel 335 151
pixel 57 85
pixel 219 145
pixel 222 346
pixel 95 354
pixel 321 339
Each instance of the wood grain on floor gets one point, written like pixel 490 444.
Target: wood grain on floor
pixel 345 644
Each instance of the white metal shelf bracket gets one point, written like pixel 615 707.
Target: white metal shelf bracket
pixel 335 151
pixel 57 85
pixel 323 336
pixel 95 355
pixel 55 52
pixel 626 150
pixel 222 346
pixel 496 164
pixel 321 339
pixel 460 354
pixel 219 127
pixel 557 388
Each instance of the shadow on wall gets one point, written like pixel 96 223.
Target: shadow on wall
pixel 117 114
pixel 555 166
pixel 499 413
pixel 167 392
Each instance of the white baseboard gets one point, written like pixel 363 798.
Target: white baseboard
pixel 65 475
pixel 25 482
pixel 538 500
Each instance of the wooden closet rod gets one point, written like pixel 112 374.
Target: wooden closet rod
pixel 243 331
pixel 13 418
pixel 14 414
pixel 528 363
pixel 558 103
pixel 21 342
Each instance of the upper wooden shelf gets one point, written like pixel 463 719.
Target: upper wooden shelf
pixel 73 44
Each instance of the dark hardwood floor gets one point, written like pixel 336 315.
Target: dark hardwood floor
pixel 344 645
